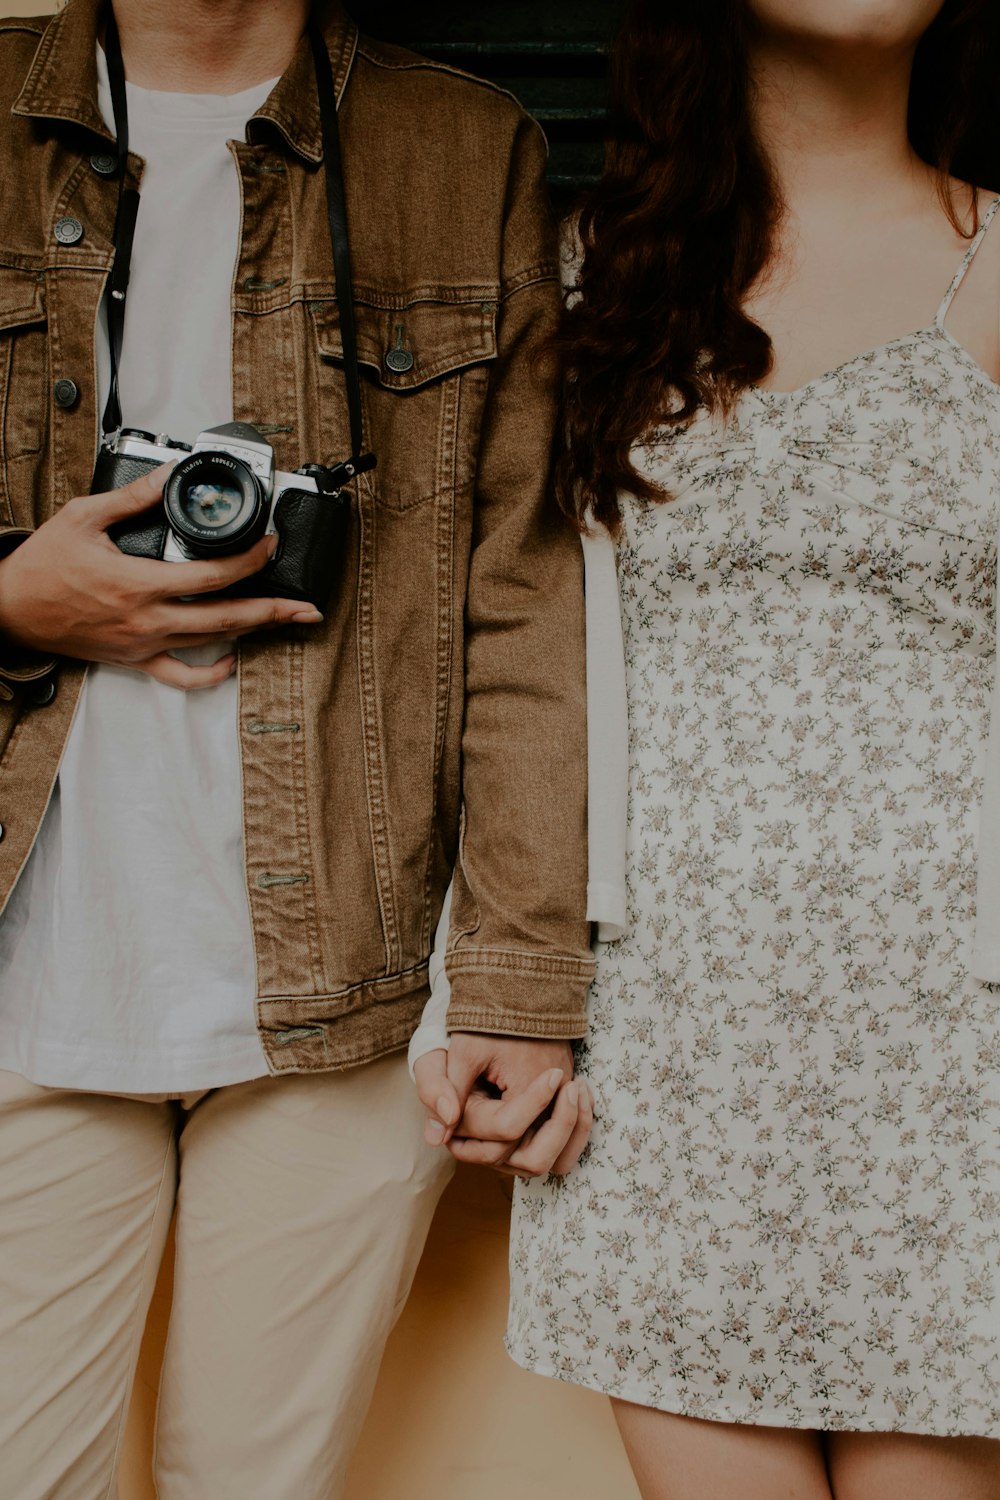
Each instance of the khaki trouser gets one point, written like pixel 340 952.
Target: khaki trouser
pixel 302 1206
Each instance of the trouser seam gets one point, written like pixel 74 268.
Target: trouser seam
pixel 138 1329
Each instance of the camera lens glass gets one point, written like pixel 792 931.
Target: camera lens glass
pixel 210 503
pixel 215 503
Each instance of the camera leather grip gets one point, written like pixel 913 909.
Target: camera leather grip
pixel 312 531
pixel 146 536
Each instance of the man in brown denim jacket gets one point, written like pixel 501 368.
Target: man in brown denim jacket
pixel 432 722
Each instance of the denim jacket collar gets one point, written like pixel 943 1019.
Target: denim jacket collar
pixel 62 81
pixel 292 106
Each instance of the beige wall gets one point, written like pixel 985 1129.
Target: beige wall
pixel 452 1415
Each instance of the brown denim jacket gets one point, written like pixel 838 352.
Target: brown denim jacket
pixel 436 718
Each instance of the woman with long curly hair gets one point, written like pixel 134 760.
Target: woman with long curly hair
pixel 781 1251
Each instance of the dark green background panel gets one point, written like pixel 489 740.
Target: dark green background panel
pixel 551 53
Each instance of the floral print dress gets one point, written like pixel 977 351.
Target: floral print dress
pixel 789 1213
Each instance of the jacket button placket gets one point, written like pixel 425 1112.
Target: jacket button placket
pixel 278 855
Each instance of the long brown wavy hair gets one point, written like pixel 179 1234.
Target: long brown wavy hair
pixel 683 221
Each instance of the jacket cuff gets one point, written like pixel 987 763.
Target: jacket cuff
pixel 518 994
pixel 19 664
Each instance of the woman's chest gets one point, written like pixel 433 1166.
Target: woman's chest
pixel 872 491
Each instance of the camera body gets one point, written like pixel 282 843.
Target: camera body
pixel 222 495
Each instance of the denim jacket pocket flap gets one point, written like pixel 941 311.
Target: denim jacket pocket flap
pixel 407 347
pixel 22 298
pixel 23 369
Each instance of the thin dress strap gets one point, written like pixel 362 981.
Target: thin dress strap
pixel 959 276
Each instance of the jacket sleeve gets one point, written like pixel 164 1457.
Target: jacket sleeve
pixel 18 665
pixel 518 957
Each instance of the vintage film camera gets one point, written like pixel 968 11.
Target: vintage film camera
pixel 223 495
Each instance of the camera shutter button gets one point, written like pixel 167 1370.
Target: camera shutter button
pixel 66 393
pixel 68 231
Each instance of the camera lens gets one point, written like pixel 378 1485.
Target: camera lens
pixel 210 504
pixel 215 503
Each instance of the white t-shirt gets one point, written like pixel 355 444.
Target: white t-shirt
pixel 126 952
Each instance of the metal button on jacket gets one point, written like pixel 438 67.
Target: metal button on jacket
pixel 2 831
pixel 41 693
pixel 104 163
pixel 398 358
pixel 399 361
pixel 68 231
pixel 66 392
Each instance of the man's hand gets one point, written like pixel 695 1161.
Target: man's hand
pixel 68 591
pixel 506 1102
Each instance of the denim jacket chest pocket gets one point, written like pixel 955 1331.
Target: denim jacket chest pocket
pixel 24 393
pixel 420 358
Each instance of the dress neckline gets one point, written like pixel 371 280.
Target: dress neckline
pixel 928 330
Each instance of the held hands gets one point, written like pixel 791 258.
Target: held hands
pixel 68 591
pixel 506 1102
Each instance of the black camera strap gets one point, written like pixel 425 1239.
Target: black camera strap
pixel 128 208
pixel 336 210
pixel 125 217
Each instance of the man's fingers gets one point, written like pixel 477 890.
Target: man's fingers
pixel 510 1064
pixel 505 1120
pixel 467 1058
pixel 210 577
pixel 227 617
pixel 437 1096
pixel 132 498
pixel 180 674
pixel 429 1073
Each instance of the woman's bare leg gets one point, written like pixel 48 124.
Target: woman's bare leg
pixel 874 1466
pixel 682 1458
